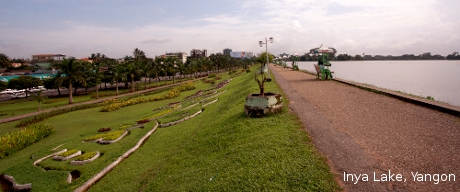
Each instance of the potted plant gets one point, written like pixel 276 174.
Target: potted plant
pixel 262 103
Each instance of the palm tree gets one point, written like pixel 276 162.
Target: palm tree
pixel 119 73
pixel 99 60
pixel 72 71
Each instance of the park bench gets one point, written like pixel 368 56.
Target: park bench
pixel 322 72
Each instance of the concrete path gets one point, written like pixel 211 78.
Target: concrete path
pixel 362 132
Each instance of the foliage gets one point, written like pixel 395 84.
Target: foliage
pixel 85 156
pixel 112 135
pixel 71 71
pixel 68 153
pixel 5 61
pixel 24 82
pixel 262 58
pixel 17 140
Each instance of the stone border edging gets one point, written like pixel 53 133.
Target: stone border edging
pixel 101 141
pixel 181 120
pixel 48 156
pixel 61 158
pixel 17 186
pixel 74 162
pixel 85 186
pixel 211 102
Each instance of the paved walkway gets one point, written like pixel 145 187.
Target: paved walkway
pixel 361 132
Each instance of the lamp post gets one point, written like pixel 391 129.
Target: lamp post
pixel 266 51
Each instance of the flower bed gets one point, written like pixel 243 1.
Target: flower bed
pixel 17 140
pixel 109 136
pixel 67 155
pixel 86 158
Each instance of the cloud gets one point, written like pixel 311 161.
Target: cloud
pixel 157 41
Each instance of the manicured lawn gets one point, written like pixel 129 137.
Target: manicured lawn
pixel 219 150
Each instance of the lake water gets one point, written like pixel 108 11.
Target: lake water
pixel 439 79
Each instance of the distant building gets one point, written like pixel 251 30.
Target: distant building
pixel 47 57
pixel 87 59
pixel 227 51
pixel 241 54
pixel 180 55
pixel 196 53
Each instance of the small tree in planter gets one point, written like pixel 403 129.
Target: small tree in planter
pixel 263 103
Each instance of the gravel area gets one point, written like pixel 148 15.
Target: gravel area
pixel 361 132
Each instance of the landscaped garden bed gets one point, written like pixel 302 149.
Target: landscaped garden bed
pixel 67 155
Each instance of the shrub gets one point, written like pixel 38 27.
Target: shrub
pixel 142 121
pixel 69 152
pixel 86 156
pixel 17 140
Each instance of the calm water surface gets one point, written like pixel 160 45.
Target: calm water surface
pixel 438 79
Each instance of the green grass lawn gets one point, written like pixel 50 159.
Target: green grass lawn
pixel 22 105
pixel 218 150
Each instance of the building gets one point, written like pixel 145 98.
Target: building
pixel 227 51
pixel 47 57
pixel 86 59
pixel 196 53
pixel 180 55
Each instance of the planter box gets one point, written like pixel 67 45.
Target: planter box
pixel 257 105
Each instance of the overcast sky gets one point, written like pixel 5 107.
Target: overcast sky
pixel 115 27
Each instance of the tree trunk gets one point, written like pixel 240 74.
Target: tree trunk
pixel 97 92
pixel 132 81
pixel 70 93
pixel 116 84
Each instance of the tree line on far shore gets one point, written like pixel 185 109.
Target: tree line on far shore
pixel 345 57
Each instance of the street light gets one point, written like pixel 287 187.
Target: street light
pixel 266 51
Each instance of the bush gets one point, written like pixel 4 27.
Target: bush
pixel 86 156
pixel 212 75
pixel 69 152
pixel 17 140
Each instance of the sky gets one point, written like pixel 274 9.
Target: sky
pixel 116 27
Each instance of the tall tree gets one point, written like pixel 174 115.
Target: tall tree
pixel 99 61
pixel 71 72
pixel 5 61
